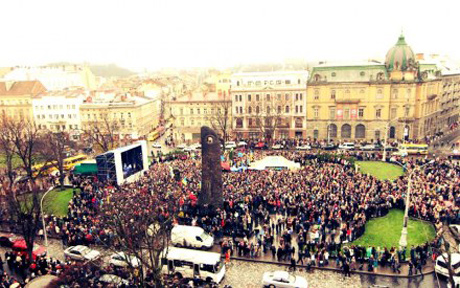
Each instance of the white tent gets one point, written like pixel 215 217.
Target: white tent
pixel 274 162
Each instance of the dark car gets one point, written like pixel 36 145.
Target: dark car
pixel 329 147
pixel 7 240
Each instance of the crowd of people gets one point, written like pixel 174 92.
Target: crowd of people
pixel 309 216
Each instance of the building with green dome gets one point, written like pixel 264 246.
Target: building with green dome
pixel 362 101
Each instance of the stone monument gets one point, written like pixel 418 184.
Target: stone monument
pixel 211 171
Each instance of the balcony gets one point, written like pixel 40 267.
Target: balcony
pixel 432 96
pixel 347 101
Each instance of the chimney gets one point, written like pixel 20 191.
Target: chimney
pixel 8 85
pixel 420 56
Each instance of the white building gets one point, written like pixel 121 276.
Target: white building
pixel 55 77
pixel 281 94
pixel 59 111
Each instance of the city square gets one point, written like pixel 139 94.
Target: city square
pixel 208 144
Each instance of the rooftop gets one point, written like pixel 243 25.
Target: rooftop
pixel 21 88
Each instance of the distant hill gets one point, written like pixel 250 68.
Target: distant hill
pixel 110 70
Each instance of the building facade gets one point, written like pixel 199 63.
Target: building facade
pixel 362 101
pixel 16 98
pixel 59 111
pixel 269 104
pixel 134 116
pixel 449 100
pixel 197 109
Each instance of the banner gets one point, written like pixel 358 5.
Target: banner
pixel 354 111
pixel 339 112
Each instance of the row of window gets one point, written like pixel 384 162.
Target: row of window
pixel 198 111
pixel 57 116
pixel 14 102
pixel 279 110
pixel 54 107
pixel 102 115
pixel 378 95
pixel 58 127
pixel 268 122
pixel 350 113
pixel 268 97
pixel 268 82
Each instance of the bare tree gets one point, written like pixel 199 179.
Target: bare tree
pixel 141 229
pixel 23 198
pixel 446 250
pixel 54 152
pixel 8 152
pixel 221 120
pixel 104 133
pixel 270 114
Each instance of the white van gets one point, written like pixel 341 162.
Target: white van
pixel 441 265
pixel 188 263
pixel 191 236
pixel 347 146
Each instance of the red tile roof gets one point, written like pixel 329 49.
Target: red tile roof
pixel 22 88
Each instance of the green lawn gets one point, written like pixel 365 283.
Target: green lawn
pixel 381 170
pixel 16 161
pixel 386 231
pixel 56 202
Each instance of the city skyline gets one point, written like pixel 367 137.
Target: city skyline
pixel 185 34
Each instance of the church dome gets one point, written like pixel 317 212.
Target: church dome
pixel 400 57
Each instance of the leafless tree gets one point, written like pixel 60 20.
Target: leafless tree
pixel 270 114
pixel 446 251
pixel 104 133
pixel 8 152
pixel 221 120
pixel 23 198
pixel 141 229
pixel 54 152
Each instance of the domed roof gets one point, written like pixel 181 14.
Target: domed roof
pixel 400 57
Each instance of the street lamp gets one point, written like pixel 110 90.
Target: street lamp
pixel 43 218
pixel 403 239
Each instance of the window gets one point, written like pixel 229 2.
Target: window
pixel 241 110
pixel 257 97
pixel 241 98
pixel 378 113
pixel 279 109
pixel 286 96
pixel 300 109
pixel 300 96
pixel 182 122
pixel 278 97
pixel 316 94
pixel 377 134
pixel 257 109
pixel 362 74
pixel 395 94
pixel 192 122
pixel 393 113
pixel 406 112
pixel 236 110
pixel 296 109
pixel 316 113
pixel 333 74
pixel 361 113
pixel 197 110
pixel 333 94
pixel 296 96
pixel 379 94
pixel 191 111
pixel 181 111
pixel 249 109
pixel 331 112
pixel 258 83
pixel 346 113
pixel 205 111
pixel 236 98
pixel 250 122
pixel 268 109
pixel 249 97
pixel 287 109
pixel 288 82
pixel 268 97
pixel 278 82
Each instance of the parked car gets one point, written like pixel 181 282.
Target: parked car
pixel 7 240
pixel 191 236
pixel 81 253
pixel 441 265
pixel 283 279
pixel 156 145
pixel 230 145
pixel 21 247
pixel 113 279
pixel 329 147
pixel 120 259
pixel 242 144
pixel 402 153
pixel 368 147
pixel 181 147
pixel 347 146
pixel 303 147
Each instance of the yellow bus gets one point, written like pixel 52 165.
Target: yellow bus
pixel 414 149
pixel 153 136
pixel 70 162
pixel 44 168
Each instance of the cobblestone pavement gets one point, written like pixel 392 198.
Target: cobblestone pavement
pixel 242 274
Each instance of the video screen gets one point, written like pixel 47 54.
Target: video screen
pixel 131 161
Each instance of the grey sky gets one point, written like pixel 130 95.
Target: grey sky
pixel 187 33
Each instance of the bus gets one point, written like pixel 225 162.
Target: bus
pixel 188 263
pixel 44 168
pixel 153 136
pixel 414 149
pixel 70 162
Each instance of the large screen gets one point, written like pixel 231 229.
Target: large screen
pixel 131 161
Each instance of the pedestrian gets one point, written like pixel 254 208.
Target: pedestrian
pixel 292 267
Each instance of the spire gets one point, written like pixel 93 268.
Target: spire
pixel 401 40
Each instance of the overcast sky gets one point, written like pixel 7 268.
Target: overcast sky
pixel 198 33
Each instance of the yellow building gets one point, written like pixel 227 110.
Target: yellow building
pixel 197 109
pixel 362 100
pixel 134 116
pixel 16 98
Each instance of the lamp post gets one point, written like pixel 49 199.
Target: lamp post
pixel 43 218
pixel 403 239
